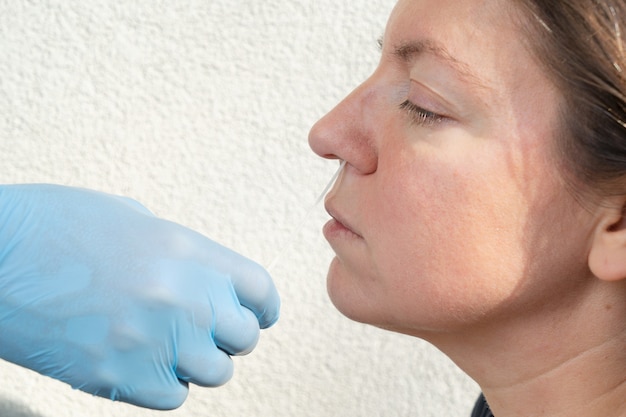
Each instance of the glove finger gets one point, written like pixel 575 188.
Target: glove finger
pixel 144 382
pixel 234 328
pixel 208 309
pixel 159 399
pixel 256 291
pixel 237 333
pixel 253 285
pixel 202 363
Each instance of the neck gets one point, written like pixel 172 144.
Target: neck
pixel 587 384
pixel 556 361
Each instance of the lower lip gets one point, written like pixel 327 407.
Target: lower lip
pixel 335 230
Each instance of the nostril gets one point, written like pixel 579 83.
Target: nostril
pixel 352 147
pixel 347 133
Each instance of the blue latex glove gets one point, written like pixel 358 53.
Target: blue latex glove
pixel 97 292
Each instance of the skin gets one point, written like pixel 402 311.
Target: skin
pixel 458 228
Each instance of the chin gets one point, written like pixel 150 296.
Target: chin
pixel 346 295
pixel 358 298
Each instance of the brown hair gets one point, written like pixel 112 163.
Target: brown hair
pixel 582 45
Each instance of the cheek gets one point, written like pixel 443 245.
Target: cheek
pixel 444 244
pixel 442 210
pixel 454 237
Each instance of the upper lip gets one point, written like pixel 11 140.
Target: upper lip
pixel 339 218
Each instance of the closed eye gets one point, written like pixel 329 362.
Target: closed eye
pixel 420 116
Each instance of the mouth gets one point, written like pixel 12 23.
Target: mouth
pixel 338 227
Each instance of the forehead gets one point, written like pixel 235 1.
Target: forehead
pixel 479 38
pixel 467 17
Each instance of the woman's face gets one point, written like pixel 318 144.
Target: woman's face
pixel 451 210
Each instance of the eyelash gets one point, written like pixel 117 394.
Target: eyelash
pixel 420 116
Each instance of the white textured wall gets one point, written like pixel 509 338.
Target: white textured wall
pixel 200 109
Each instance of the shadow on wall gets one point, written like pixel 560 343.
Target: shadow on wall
pixel 11 408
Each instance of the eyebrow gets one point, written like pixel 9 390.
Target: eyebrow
pixel 410 50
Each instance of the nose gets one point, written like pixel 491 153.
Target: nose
pixel 347 132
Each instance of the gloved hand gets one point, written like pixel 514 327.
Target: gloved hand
pixel 98 292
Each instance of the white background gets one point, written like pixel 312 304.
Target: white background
pixel 200 109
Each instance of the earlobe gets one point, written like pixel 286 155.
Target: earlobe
pixel 607 257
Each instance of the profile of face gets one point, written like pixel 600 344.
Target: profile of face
pixel 451 212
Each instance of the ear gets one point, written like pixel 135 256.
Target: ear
pixel 607 257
